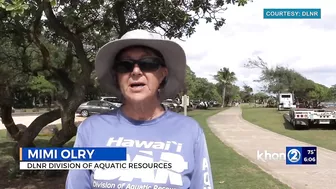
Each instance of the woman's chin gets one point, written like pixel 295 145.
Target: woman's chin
pixel 137 97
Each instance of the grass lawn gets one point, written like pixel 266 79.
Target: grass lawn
pixel 271 119
pixel 230 170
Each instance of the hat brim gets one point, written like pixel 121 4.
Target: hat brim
pixel 173 54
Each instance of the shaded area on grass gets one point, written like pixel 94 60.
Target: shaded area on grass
pixel 36 182
pixel 273 120
pixel 230 170
pixel 9 177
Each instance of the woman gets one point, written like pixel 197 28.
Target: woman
pixel 143 70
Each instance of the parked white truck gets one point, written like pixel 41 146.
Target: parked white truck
pixel 286 101
pixel 304 118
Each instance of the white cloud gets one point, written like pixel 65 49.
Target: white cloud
pixel 304 45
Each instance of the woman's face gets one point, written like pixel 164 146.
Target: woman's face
pixel 140 73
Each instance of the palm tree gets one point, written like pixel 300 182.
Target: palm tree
pixel 225 78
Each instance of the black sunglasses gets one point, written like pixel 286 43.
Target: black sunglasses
pixel 148 64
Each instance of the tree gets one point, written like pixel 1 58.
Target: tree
pixel 261 97
pixel 232 93
pixel 246 93
pixel 190 83
pixel 225 78
pixel 44 89
pixel 333 92
pixel 13 76
pixel 282 79
pixel 205 90
pixel 200 88
pixel 319 94
pixel 64 43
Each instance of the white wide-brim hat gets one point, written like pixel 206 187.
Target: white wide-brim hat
pixel 173 54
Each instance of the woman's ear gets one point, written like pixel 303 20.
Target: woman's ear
pixel 165 72
pixel 163 83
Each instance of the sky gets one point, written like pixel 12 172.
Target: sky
pixel 307 46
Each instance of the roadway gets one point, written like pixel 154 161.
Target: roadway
pixel 27 119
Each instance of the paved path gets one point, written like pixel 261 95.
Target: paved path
pixel 28 113
pixel 247 138
pixel 27 120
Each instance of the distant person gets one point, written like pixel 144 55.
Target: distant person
pixel 143 70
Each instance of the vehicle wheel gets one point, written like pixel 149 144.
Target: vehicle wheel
pixel 84 113
pixel 294 124
pixel 307 126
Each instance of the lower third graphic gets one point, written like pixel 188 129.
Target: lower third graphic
pixel 301 155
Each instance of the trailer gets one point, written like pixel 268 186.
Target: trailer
pixel 305 117
pixel 286 101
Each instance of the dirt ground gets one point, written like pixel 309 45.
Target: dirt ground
pixel 32 182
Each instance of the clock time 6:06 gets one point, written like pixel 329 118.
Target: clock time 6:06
pixel 309 159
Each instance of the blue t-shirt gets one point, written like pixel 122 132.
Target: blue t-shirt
pixel 171 137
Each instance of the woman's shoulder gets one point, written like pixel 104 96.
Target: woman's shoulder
pixel 185 125
pixel 182 120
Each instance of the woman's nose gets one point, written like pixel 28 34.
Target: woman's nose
pixel 136 70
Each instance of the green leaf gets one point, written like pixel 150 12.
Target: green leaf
pixel 20 11
pixel 25 6
pixel 53 2
pixel 13 13
pixel 11 7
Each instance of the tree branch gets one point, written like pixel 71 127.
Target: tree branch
pixel 59 28
pixel 37 125
pixel 85 28
pixel 63 77
pixel 68 57
pixel 35 38
pixel 119 13
pixel 63 31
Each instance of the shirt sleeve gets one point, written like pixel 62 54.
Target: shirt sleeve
pixel 79 178
pixel 202 175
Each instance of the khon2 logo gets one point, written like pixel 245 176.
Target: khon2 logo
pixel 301 155
pixel 293 155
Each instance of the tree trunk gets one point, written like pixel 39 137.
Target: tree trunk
pixel 37 125
pixel 68 112
pixel 7 120
pixel 26 137
pixel 68 130
pixel 6 101
pixel 76 90
pixel 16 151
pixel 223 96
